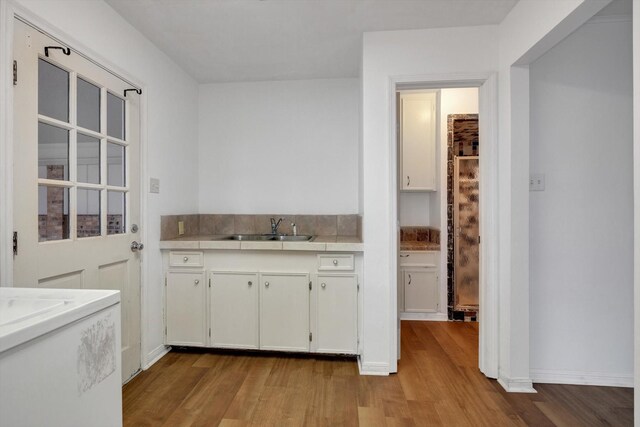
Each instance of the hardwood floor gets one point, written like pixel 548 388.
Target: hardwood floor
pixel 438 384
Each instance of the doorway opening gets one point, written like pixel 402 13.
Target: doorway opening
pixel 438 203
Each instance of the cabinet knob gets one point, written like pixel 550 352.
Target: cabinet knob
pixel 324 285
pixel 250 283
pixel 266 284
pixel 185 259
pixel 197 282
pixel 335 262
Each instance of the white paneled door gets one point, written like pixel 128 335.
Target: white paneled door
pixel 76 178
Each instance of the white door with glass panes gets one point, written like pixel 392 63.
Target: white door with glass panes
pixel 76 178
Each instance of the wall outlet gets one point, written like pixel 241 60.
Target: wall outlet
pixel 180 228
pixel 536 182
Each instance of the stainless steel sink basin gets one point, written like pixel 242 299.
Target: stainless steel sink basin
pixel 251 237
pixel 299 238
pixel 267 237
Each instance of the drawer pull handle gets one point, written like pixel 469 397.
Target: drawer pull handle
pixel 404 256
pixel 250 283
pixel 185 259
pixel 197 282
pixel 324 285
pixel 335 262
pixel 266 284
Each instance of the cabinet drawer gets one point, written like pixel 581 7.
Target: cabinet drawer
pixel 340 262
pixel 419 258
pixel 186 259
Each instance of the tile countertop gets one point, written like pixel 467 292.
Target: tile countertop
pixel 419 246
pixel 318 244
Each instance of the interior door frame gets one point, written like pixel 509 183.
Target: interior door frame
pixel 487 83
pixel 8 12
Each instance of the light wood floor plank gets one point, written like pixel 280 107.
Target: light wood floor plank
pixel 438 384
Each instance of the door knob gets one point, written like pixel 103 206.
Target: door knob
pixel 135 246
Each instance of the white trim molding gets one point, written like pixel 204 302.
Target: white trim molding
pixel 373 368
pixel 517 385
pixel 431 317
pixel 487 82
pixel 547 376
pixel 6 143
pixel 155 355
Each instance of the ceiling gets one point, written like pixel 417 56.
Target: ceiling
pixel 252 40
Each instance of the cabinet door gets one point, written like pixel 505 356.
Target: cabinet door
pixel 336 314
pixel 418 141
pixel 186 303
pixel 420 290
pixel 284 312
pixel 234 310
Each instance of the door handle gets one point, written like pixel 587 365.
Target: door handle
pixel 135 246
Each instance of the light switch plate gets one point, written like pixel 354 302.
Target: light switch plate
pixel 180 228
pixel 154 185
pixel 536 182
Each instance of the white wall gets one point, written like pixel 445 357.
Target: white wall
pixel 279 147
pixel 387 55
pixel 530 29
pixel 170 109
pixel 581 244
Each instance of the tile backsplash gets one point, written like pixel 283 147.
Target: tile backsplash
pixel 420 234
pixel 209 224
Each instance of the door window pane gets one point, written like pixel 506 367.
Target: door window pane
pixel 53 91
pixel 115 164
pixel 115 116
pixel 115 212
pixel 88 105
pixel 53 152
pixel 88 212
pixel 88 159
pixel 53 213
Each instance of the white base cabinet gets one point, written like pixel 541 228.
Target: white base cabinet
pixel 295 302
pixel 336 309
pixel 234 299
pixel 420 290
pixel 284 312
pixel 186 308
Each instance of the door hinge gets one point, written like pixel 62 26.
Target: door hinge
pixel 15 72
pixel 478 239
pixel 310 286
pixel 358 287
pixel 209 332
pixel 15 243
pixel 165 280
pixel 165 331
pixel 209 281
pixel 310 336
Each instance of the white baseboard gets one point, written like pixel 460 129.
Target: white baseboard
pixel 155 355
pixel 517 385
pixel 373 368
pixel 437 317
pixel 547 376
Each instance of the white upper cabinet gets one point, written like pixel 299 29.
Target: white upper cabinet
pixel 418 123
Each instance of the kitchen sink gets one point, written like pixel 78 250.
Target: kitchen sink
pixel 299 238
pixel 268 237
pixel 250 237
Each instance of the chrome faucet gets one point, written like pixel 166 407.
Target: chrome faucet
pixel 275 225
